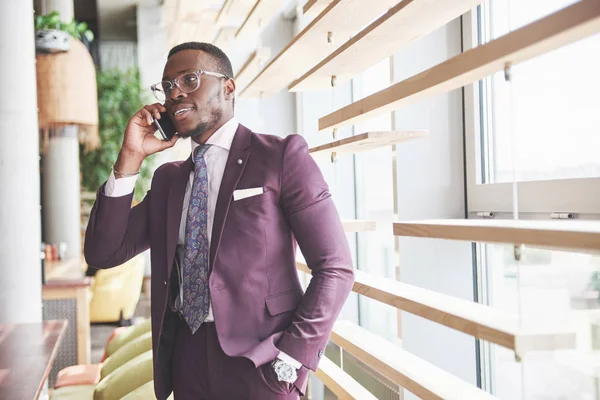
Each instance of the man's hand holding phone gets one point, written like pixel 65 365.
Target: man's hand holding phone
pixel 139 141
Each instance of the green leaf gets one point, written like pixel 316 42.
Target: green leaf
pixel 73 28
pixel 89 35
pixel 53 20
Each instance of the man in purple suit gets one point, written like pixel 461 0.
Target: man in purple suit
pixel 229 317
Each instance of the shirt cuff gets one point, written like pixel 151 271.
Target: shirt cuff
pixel 284 357
pixel 119 187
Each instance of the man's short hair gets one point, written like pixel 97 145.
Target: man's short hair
pixel 222 62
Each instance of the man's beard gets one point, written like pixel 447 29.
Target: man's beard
pixel 215 117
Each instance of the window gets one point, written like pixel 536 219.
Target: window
pixel 551 101
pixel 551 288
pixel 535 140
pixel 542 128
pixel 375 201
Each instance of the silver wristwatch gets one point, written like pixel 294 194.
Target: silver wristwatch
pixel 285 372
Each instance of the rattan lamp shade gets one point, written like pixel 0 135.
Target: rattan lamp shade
pixel 67 94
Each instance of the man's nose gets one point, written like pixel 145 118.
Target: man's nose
pixel 176 94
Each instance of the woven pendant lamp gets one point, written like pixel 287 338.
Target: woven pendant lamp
pixel 67 94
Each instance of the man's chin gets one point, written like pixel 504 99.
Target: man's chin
pixel 187 133
pixel 184 135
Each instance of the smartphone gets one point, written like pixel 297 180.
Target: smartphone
pixel 165 126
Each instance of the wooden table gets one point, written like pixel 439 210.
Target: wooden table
pixel 27 352
pixel 72 268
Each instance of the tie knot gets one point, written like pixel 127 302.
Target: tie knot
pixel 199 152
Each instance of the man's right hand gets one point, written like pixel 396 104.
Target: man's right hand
pixel 139 141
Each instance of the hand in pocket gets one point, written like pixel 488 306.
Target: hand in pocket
pixel 269 383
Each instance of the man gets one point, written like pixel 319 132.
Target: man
pixel 229 318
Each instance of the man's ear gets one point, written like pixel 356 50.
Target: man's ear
pixel 229 89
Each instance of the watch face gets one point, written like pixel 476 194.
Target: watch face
pixel 285 372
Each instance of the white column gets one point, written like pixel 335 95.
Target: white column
pixel 151 45
pixel 20 267
pixel 61 192
pixel 61 182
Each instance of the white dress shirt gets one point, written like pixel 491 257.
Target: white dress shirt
pixel 216 159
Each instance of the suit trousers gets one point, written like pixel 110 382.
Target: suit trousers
pixel 202 371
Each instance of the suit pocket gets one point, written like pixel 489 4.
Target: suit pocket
pixel 282 302
pixel 257 198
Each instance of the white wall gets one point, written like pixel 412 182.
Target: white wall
pixel 152 44
pixel 431 185
pixel 274 114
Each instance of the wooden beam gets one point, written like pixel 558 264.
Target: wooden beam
pixel 411 372
pixel 222 15
pixel 474 319
pixel 190 10
pixel 340 383
pixel 339 21
pixel 315 7
pixel 560 234
pixel 235 9
pixel 260 15
pixel 225 36
pixel 367 141
pixel 402 24
pixel 572 23
pixel 358 225
pixel 251 67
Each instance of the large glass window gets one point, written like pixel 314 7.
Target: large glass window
pixel 552 101
pixel 546 288
pixel 540 129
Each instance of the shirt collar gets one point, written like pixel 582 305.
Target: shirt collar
pixel 223 137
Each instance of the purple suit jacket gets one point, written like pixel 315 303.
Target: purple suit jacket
pixel 257 299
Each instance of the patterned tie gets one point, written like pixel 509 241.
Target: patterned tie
pixel 195 259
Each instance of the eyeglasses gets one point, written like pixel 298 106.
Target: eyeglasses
pixel 187 83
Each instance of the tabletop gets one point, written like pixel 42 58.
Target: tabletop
pixel 27 352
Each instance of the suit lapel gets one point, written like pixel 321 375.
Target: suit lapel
pixel 240 150
pixel 175 207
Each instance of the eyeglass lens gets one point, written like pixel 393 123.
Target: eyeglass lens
pixel 187 83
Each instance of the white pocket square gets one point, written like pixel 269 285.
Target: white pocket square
pixel 243 193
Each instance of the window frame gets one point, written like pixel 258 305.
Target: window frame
pixel 536 199
pixel 576 195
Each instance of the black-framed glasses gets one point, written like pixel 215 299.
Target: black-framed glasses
pixel 187 83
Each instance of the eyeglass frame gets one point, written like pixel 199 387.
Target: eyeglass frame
pixel 175 81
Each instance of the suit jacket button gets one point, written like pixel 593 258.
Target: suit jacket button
pixel 165 283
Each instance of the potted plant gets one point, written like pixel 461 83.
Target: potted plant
pixel 53 35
